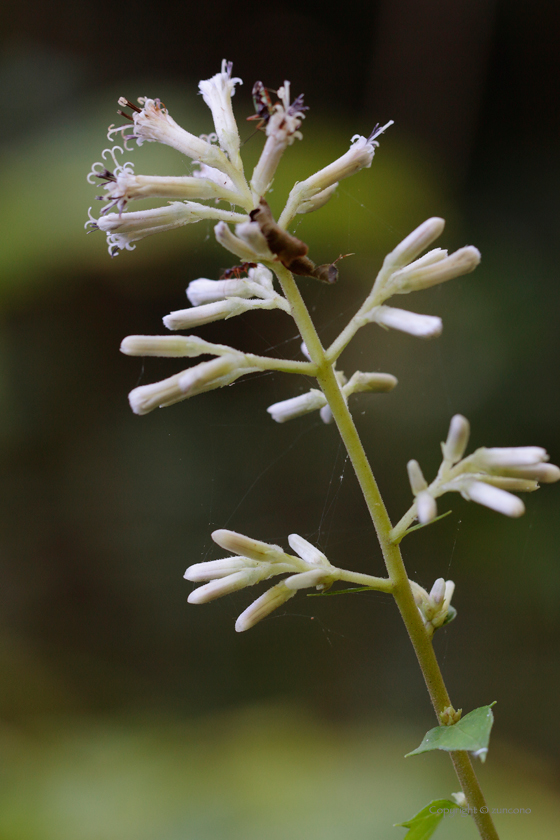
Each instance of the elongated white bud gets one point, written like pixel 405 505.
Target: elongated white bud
pixel 263 606
pixel 416 477
pixel 416 242
pixel 207 376
pixel 164 345
pixel 318 200
pixel 246 546
pixel 545 473
pixel 426 507
pixel 187 319
pixel 508 457
pixel 378 382
pixel 296 406
pixel 159 394
pixel 421 326
pixel 494 498
pixel 203 291
pixel 305 580
pixel 308 552
pixel 420 276
pixel 238 246
pixel 224 586
pixel 216 569
pixel 457 439
pixel 437 592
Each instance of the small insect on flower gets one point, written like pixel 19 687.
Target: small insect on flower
pixel 236 271
pixel 262 103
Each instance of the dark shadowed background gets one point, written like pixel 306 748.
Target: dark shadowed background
pixel 119 701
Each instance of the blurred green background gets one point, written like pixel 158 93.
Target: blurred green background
pixel 125 712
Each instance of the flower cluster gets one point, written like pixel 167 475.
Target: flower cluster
pixel 404 271
pixel 435 606
pixel 255 561
pixel 489 476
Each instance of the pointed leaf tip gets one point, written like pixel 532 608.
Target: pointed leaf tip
pixel 471 733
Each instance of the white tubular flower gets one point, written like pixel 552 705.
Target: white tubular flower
pixel 359 156
pixel 421 326
pixel 126 187
pixel 196 380
pixel 240 247
pixel 123 229
pixel 491 497
pixel 457 439
pixel 426 507
pixel 416 477
pixel 152 123
pixel 297 406
pixel 217 93
pixel 436 267
pixel 281 131
pixel 165 345
pixel 263 606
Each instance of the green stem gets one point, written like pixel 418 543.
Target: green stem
pixel 391 553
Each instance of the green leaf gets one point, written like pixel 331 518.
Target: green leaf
pixel 342 592
pixel 423 525
pixel 423 824
pixel 471 733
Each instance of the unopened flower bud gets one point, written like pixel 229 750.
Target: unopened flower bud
pixel 416 477
pixel 416 242
pixel 378 382
pixel 545 473
pixel 240 247
pixel 215 569
pixel 203 291
pixel 507 457
pixel 457 439
pixel 187 319
pixel 305 580
pixel 419 275
pixel 426 507
pixel 437 592
pixel 308 552
pixel 494 498
pixel 164 345
pixel 318 200
pixel 207 376
pixel 421 326
pixel 263 606
pixel 224 586
pixel 297 406
pixel 246 546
